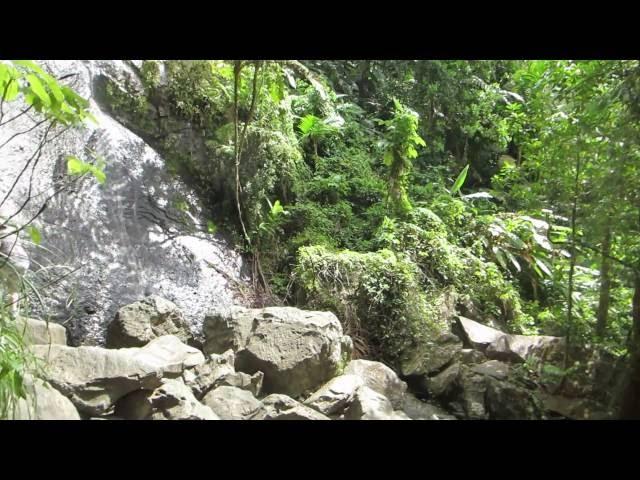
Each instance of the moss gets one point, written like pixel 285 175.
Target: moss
pixel 376 292
pixel 150 73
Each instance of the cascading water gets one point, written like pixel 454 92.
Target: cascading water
pixel 126 237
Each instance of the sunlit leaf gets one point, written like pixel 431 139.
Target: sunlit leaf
pixel 38 89
pixel 34 233
pixel 457 185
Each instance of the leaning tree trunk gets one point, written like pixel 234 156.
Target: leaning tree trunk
pixel 605 284
pixel 572 264
pixel 630 404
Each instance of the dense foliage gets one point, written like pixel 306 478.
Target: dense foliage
pixel 501 179
pixel 383 189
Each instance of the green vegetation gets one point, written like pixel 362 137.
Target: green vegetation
pixel 375 188
pixel 497 178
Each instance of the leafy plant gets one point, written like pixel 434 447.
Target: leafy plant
pixel 457 185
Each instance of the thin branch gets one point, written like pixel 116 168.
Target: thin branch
pixel 53 282
pixel 16 116
pixel 37 152
pixel 25 131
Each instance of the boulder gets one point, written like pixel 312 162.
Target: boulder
pixel 519 348
pixel 282 407
pixel 243 381
pixel 203 377
pixel 468 356
pixel 95 378
pixel 506 347
pixel 432 356
pixel 476 335
pixel 493 368
pixel 168 354
pixel 231 403
pixel 227 328
pixel 380 378
pixel 297 350
pixel 336 395
pixel 44 402
pixel 134 406
pixel 506 401
pixel 38 332
pixel 574 408
pixel 443 384
pixel 417 409
pixel 137 324
pixel 471 394
pixel 173 400
pixel 368 404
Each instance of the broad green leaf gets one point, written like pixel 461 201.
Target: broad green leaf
pixel 542 266
pixel 307 123
pixel 38 89
pixel 55 89
pixel 457 185
pixel 10 89
pixel 75 166
pixel 419 140
pixel 514 261
pixel 211 227
pixel 501 259
pixel 30 65
pixel 276 209
pixel 99 174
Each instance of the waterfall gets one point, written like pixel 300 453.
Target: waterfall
pixel 126 237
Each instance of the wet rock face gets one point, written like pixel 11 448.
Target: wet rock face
pixel 127 238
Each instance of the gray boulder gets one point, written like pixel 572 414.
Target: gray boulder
pixel 506 347
pixel 95 378
pixel 336 395
pixel 519 348
pixel 575 408
pixel 38 332
pixel 44 402
pixel 506 401
pixel 432 356
pixel 380 378
pixel 282 407
pixel 417 409
pixel 473 388
pixel 231 403
pixel 173 400
pixel 203 377
pixel 137 324
pixel 297 350
pixel 243 381
pixel 476 335
pixel 468 356
pixel 367 404
pixel 493 368
pixel 443 384
pixel 227 329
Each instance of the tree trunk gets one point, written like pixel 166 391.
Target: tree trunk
pixel 630 404
pixel 605 284
pixel 572 263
